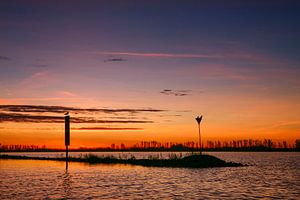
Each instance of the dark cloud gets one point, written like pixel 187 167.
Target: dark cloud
pixel 108 128
pixel 63 109
pixel 115 60
pixel 127 118
pixel 116 121
pixel 54 114
pixel 169 115
pixel 178 93
pixel 32 108
pixel 4 58
pixel 184 111
pixel 16 117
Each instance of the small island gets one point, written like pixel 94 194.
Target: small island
pixel 191 161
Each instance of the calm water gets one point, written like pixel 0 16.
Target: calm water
pixel 271 176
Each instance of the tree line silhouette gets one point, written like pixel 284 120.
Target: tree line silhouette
pixel 232 145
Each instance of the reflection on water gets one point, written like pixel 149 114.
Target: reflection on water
pixel 66 184
pixel 272 175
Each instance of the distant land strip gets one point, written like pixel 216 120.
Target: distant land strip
pixel 191 161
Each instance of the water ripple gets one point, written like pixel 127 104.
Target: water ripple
pixel 270 176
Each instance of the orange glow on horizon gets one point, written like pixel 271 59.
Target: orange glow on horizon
pixel 126 81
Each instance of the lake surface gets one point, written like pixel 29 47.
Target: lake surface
pixel 272 175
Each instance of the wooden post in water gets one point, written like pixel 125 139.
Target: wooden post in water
pixel 67 136
pixel 199 119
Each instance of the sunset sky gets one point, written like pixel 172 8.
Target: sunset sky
pixel 129 71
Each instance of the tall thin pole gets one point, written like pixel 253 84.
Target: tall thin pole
pixel 67 136
pixel 200 145
pixel 199 119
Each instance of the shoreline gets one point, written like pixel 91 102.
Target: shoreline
pixel 152 150
pixel 191 161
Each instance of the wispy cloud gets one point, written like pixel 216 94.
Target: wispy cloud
pixel 108 128
pixel 26 118
pixel 184 111
pixel 67 94
pixel 234 54
pixel 115 60
pixel 160 55
pixel 63 109
pixel 288 125
pixel 91 120
pixel 54 114
pixel 36 76
pixel 291 126
pixel 14 117
pixel 4 58
pixel 176 93
pixel 39 80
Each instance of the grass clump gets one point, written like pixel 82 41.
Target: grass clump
pixel 190 161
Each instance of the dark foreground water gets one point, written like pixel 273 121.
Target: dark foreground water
pixel 272 176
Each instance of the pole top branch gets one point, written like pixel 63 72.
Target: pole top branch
pixel 199 119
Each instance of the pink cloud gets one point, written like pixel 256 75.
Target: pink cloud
pixel 39 80
pixel 232 54
pixel 159 55
pixel 67 94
